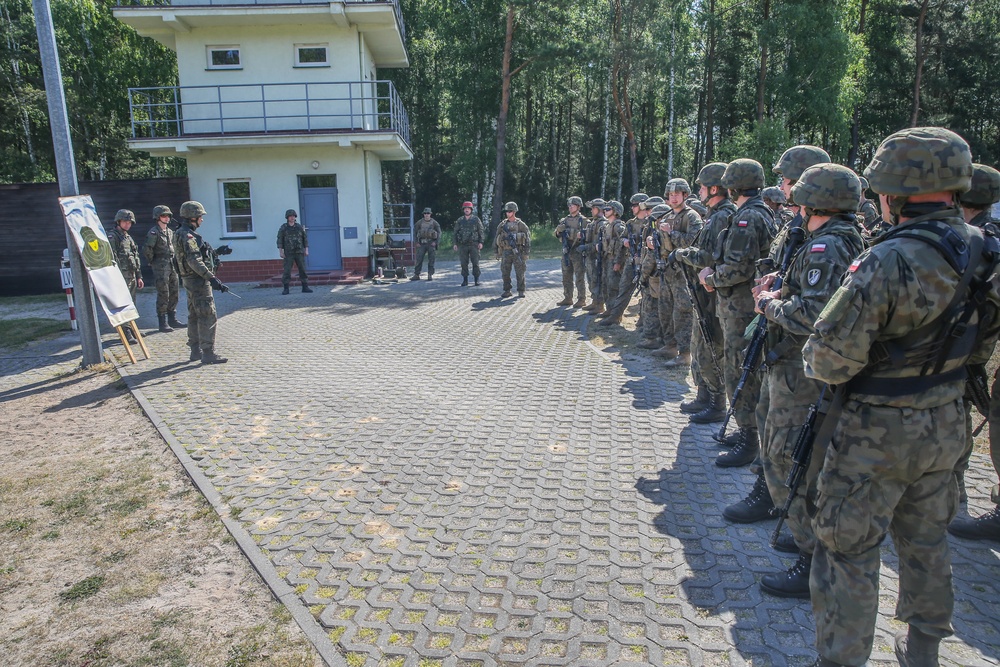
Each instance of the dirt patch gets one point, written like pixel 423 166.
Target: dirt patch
pixel 111 556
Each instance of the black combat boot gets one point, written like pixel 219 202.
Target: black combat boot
pixel 173 321
pixel 465 281
pixel 729 441
pixel 415 276
pixel 164 327
pixel 743 453
pixel 823 662
pixel 755 507
pixel 916 649
pixel 715 410
pixel 430 276
pixel 306 289
pixel 505 294
pixel 477 281
pixel 285 291
pixel 195 353
pixel 129 336
pixel 209 356
pixel 986 527
pixel 793 583
pixel 786 544
pixel 697 404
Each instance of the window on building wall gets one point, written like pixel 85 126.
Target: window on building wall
pixel 311 55
pixel 224 57
pixel 237 213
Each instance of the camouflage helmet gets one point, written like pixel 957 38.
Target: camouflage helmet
pixel 615 206
pixel 125 214
pixel 599 203
pixel 774 194
pixel 743 174
pixel 797 159
pixel 921 160
pixel 985 190
pixel 290 212
pixel 510 206
pixel 864 183
pixel 650 203
pixel 828 187
pixel 677 185
pixel 638 198
pixel 161 210
pixel 428 210
pixel 659 211
pixel 574 201
pixel 192 209
pixel 711 175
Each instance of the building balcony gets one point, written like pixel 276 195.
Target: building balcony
pixel 172 120
pixel 380 20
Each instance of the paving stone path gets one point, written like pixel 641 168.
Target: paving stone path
pixel 428 475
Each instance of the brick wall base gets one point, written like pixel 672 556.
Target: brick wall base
pixel 257 270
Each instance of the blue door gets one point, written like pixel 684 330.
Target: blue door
pixel 321 217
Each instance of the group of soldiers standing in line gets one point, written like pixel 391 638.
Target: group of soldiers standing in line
pixel 177 254
pixel 847 344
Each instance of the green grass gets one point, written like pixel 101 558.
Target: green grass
pixel 544 244
pixel 20 332
pixel 83 589
pixel 33 299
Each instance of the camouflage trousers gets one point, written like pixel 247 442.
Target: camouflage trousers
pixel 594 279
pixel 649 319
pixel 201 313
pixel 994 424
pixel 707 357
pixel 167 288
pixel 469 252
pixel 430 251
pixel 610 280
pixel 789 396
pixel 734 345
pixel 887 470
pixel 299 260
pixel 675 312
pixel 133 285
pixel 511 259
pixel 574 273
pixel 618 302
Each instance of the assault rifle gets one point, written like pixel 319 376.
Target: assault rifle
pixel 599 249
pixel 751 359
pixel 512 242
pixel 565 246
pixel 977 389
pixel 801 456
pixel 703 322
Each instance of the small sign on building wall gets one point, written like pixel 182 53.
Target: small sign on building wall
pixel 350 232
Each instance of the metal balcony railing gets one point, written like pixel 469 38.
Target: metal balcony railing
pixel 238 3
pixel 269 108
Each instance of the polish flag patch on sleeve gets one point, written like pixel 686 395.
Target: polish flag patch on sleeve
pixel 818 247
pixel 742 223
pixel 854 265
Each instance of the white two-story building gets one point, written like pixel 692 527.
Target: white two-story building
pixel 278 107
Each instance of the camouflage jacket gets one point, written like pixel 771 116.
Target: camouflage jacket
pixel 469 231
pixel 812 278
pixel 126 252
pixel 191 261
pixel 592 233
pixel 894 288
pixel 522 237
pixel 741 243
pixel 633 231
pixel 158 248
pixel 427 231
pixel 613 233
pixel 575 225
pixel 694 203
pixel 292 239
pixel 869 213
pixel 685 225
pixel 702 252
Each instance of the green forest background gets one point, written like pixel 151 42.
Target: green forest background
pixel 536 101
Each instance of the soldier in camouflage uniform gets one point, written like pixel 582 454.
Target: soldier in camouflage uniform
pixel 745 240
pixel 829 194
pixel 649 321
pixel 777 201
pixel 159 252
pixel 196 266
pixel 625 248
pixel 469 234
pixel 513 243
pixel 593 239
pixel 677 229
pixel 614 230
pixel 871 219
pixel 976 207
pixel 293 246
pixel 710 403
pixel 890 464
pixel 757 505
pixel 427 232
pixel 126 256
pixel 695 204
pixel 570 231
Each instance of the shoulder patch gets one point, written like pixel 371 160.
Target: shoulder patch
pixel 813 276
pixel 818 247
pixel 742 223
pixel 854 265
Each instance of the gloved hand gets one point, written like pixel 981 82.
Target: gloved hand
pixel 223 250
pixel 218 284
pixel 660 265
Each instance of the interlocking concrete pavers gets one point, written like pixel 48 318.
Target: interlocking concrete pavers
pixel 436 476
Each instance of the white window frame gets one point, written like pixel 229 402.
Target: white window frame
pixel 226 216
pixel 211 48
pixel 325 47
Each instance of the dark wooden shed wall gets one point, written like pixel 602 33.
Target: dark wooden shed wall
pixel 32 228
